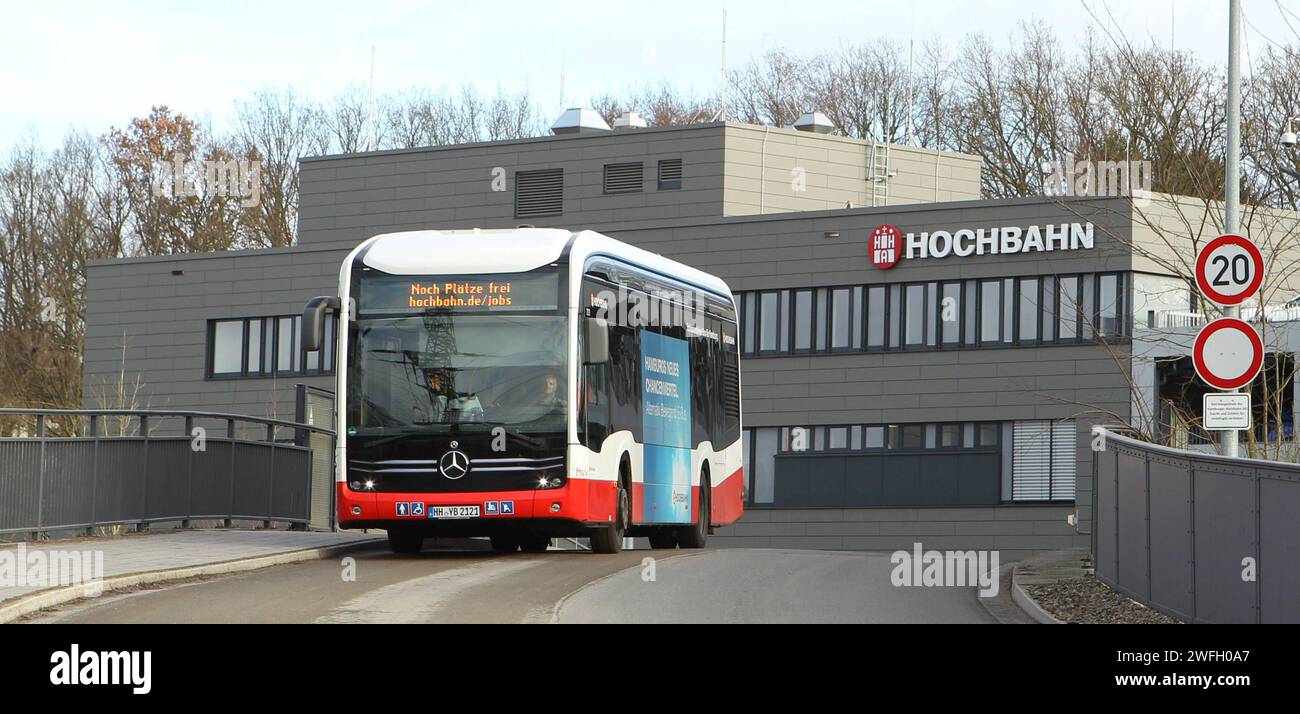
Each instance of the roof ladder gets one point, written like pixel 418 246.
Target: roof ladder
pixel 878 173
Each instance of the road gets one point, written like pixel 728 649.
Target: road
pixel 712 585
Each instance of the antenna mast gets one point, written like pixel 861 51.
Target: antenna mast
pixel 722 74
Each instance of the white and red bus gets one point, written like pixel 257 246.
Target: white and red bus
pixel 530 384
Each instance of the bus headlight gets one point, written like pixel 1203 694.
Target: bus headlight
pixel 552 482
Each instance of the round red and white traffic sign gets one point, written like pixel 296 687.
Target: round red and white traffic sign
pixel 1228 353
pixel 884 246
pixel 1229 269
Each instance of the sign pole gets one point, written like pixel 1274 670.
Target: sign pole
pixel 1232 169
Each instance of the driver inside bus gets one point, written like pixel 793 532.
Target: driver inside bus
pixel 551 399
pixel 437 392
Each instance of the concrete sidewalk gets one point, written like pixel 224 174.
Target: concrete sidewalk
pixel 145 558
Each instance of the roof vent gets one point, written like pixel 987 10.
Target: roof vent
pixel 814 122
pixel 579 120
pixel 630 120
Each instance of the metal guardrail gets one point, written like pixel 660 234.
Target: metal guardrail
pixel 139 476
pixel 1202 537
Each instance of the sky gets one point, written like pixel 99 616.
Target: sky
pixel 93 65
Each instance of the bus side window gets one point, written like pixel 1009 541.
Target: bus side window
pixel 595 404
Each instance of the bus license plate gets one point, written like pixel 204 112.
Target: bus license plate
pixel 453 511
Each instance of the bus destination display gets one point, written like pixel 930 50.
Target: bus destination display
pixel 460 293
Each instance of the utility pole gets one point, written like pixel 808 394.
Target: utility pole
pixel 1232 169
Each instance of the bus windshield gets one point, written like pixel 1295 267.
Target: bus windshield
pixel 445 371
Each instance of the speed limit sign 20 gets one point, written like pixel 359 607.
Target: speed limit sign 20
pixel 1229 269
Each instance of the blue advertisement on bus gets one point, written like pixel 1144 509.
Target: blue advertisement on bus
pixel 665 398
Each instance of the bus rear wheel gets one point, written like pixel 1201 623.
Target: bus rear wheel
pixel 695 536
pixel 405 541
pixel 609 539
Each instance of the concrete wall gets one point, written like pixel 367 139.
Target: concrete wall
pixel 763 163
pixel 161 318
pixel 344 199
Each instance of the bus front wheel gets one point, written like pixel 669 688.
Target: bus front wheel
pixel 609 539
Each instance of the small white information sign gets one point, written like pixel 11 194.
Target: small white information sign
pixel 1226 412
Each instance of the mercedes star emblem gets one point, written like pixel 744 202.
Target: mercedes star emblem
pixel 454 464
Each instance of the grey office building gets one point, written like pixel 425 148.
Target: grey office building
pixel 946 400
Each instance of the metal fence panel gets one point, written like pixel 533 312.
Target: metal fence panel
pixel 1279 517
pixel 1105 533
pixel 119 488
pixel 291 483
pixel 316 406
pixel 52 483
pixel 20 485
pixel 1225 534
pixel 69 468
pixel 167 476
pixel 1180 530
pixel 252 492
pixel 212 480
pixel 1171 534
pixel 1132 516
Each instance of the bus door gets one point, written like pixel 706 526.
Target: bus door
pixel 666 426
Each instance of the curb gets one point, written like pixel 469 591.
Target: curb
pixel 53 597
pixel 1027 603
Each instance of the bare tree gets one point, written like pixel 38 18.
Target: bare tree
pixel 276 128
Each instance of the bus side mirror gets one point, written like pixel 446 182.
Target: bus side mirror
pixel 595 341
pixel 313 321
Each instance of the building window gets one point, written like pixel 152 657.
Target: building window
pixel 227 346
pixel 1027 310
pixel 1110 305
pixel 803 320
pixel 990 311
pixel 950 314
pixel 623 178
pixel 841 319
pixel 914 336
pixel 1008 305
pixel 998 312
pixel 263 346
pixel 1043 460
pixel 970 327
pixel 1069 309
pixel 1049 309
pixel 895 305
pixel 748 310
pixel 670 174
pixel 770 321
pixel 821 308
pixel 539 193
pixel 876 317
